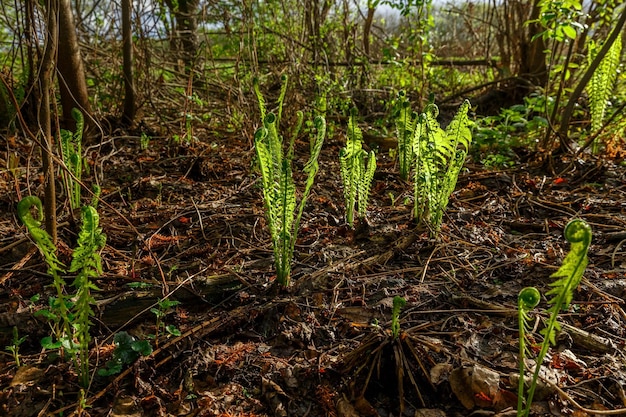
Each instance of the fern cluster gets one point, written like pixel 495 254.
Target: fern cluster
pixel 567 278
pixel 71 151
pixel 437 157
pixel 601 84
pixel 355 173
pixel 279 192
pixel 72 318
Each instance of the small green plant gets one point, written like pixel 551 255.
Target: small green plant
pixel 356 174
pixel 14 347
pixel 398 304
pixel 567 278
pixel 127 350
pixel 71 318
pixel 279 192
pixel 71 151
pixel 144 141
pixel 162 308
pixel 438 157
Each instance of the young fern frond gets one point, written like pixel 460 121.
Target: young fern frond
pixel 311 168
pixel 281 97
pixel 405 121
pixel 355 175
pixel 439 158
pixel 578 233
pixel 279 193
pixel 600 86
pixel 398 304
pixel 259 97
pixel 71 152
pixel 365 184
pixel 454 147
pixel 48 250
pixel 527 300
pixel 87 263
pixel 568 276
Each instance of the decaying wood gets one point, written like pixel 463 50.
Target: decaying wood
pixel 124 308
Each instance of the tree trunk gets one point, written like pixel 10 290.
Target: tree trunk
pixel 185 40
pixel 129 84
pixel 45 125
pixel 532 59
pixel 72 84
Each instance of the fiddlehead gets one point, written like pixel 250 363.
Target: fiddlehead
pixel 527 299
pixel 568 276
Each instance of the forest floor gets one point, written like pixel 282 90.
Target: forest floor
pixel 187 223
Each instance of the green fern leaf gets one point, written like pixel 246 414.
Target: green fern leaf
pixel 568 276
pixel 259 97
pixel 365 184
pixel 405 121
pixel 600 87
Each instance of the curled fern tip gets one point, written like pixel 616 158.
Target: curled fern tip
pixel 578 230
pixel 528 298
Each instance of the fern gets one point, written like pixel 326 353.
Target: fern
pixel 48 250
pixel 452 150
pixel 405 129
pixel 398 304
pixel 527 299
pixel 355 174
pixel 601 84
pixel 279 192
pixel 439 156
pixel 259 97
pixel 366 184
pixel 87 264
pixel 71 151
pixel 568 276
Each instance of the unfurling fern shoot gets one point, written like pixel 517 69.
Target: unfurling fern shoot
pixel 86 262
pixel 439 158
pixel 71 151
pixel 356 174
pixel 62 325
pixel 71 321
pixel 600 86
pixel 279 192
pixel 406 128
pixel 567 278
pixel 527 300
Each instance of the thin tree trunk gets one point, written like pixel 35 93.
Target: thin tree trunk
pixel 45 124
pixel 129 84
pixel 72 84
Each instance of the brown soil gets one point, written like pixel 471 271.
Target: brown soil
pixel 187 222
